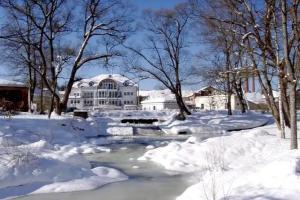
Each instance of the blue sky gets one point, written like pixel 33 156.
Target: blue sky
pixel 92 70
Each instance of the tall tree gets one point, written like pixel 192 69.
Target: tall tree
pixel 163 50
pixel 103 21
pixel 273 55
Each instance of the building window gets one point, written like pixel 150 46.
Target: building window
pixel 108 84
pixel 202 106
pixel 88 94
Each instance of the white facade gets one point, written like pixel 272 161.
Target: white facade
pixel 215 102
pixel 104 92
pixel 159 104
pixel 160 99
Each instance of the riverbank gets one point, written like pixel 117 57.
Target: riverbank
pixel 249 164
pixel 48 156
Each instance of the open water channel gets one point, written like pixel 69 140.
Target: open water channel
pixel 147 180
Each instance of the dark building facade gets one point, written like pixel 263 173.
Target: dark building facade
pixel 15 95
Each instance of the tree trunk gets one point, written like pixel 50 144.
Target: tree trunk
pixel 183 110
pixel 63 104
pixel 293 114
pixel 42 97
pixel 32 85
pixel 285 104
pixel 229 110
pixel 291 75
pixel 52 100
pixel 280 107
pixel 239 93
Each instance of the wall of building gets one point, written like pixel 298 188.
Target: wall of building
pixel 148 105
pixel 17 95
pixel 215 102
pixel 92 97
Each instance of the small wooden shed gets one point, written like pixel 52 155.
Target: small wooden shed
pixel 14 92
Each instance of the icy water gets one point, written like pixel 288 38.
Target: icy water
pixel 147 181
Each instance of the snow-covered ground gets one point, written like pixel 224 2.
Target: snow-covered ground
pixel 249 164
pixel 40 155
pixel 206 124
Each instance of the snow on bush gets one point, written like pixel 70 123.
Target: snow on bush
pixel 37 162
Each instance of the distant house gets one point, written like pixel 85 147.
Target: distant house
pixel 210 98
pixel 15 93
pixel 257 101
pixel 162 100
pixel 159 104
pixel 105 91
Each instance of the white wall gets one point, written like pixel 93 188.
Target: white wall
pixel 215 102
pixel 148 105
pixel 130 98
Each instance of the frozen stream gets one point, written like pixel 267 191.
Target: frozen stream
pixel 147 181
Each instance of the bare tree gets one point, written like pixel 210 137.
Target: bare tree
pixel 163 53
pixel 272 55
pixel 291 49
pixel 107 21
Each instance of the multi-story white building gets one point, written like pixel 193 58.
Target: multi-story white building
pixel 105 91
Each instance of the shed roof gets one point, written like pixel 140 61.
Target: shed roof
pixel 10 83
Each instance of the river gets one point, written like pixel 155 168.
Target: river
pixel 147 180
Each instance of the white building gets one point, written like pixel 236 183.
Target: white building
pixel 210 98
pixel 160 99
pixel 104 92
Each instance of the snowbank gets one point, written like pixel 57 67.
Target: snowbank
pixel 40 155
pixel 250 164
pixel 101 176
pixel 211 123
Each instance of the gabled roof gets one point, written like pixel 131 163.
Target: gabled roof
pixel 97 79
pixel 257 97
pixel 208 91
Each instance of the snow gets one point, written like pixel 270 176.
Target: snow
pixel 162 95
pixel 97 79
pixel 121 130
pixel 40 155
pixel 258 97
pixel 4 82
pixel 248 164
pixel 102 176
pixel 212 123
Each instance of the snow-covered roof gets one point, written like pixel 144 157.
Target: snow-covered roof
pixel 207 88
pixel 159 100
pixel 160 96
pixel 97 79
pixel 163 93
pixel 10 83
pixel 258 97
